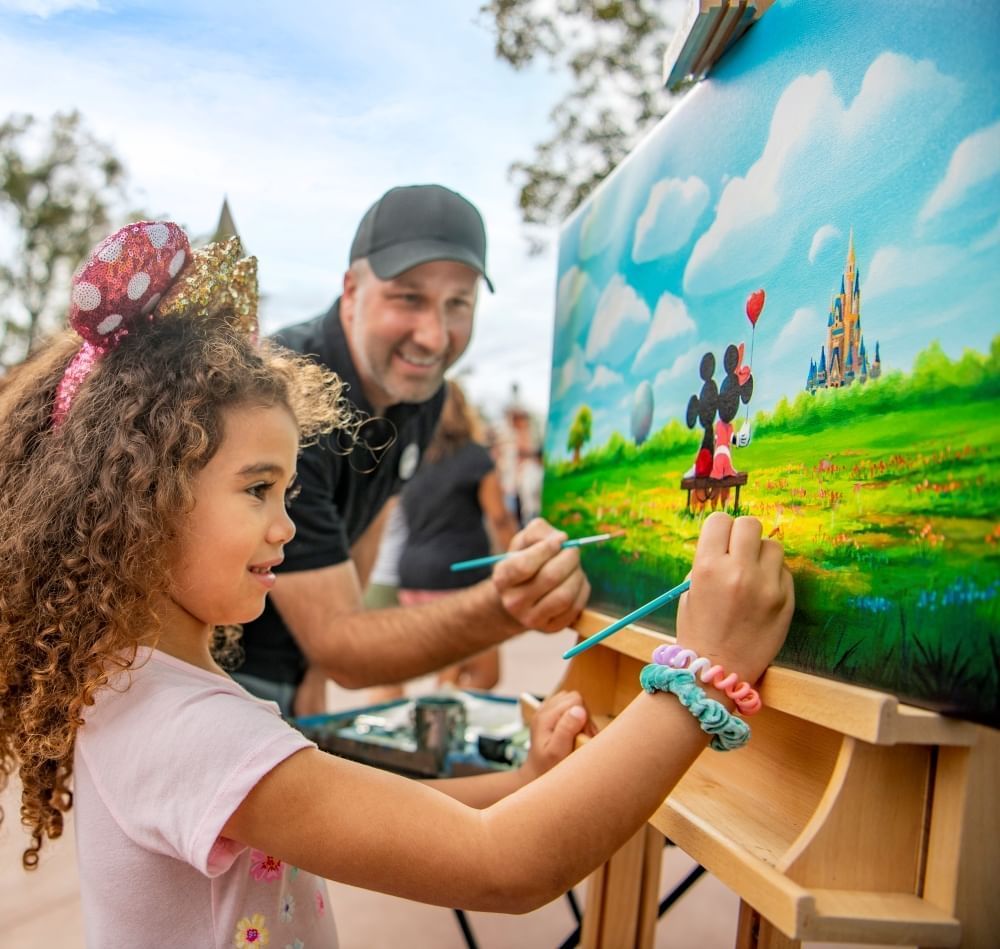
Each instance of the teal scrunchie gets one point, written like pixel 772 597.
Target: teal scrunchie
pixel 728 732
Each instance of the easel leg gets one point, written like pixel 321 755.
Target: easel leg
pixel 622 896
pixel 755 932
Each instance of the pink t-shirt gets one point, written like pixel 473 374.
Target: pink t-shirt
pixel 158 770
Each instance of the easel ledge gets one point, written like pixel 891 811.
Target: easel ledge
pixel 850 817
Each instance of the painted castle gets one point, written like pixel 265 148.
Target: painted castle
pixel 844 358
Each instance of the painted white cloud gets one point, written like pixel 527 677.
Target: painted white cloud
pixel 895 268
pixel 571 373
pixel 754 225
pixel 990 239
pixel 605 377
pixel 669 218
pixel 670 320
pixel 821 238
pixel 572 286
pixel 619 324
pixel 976 159
pixel 685 365
pixel 598 227
pixel 804 328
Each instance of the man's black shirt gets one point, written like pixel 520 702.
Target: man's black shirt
pixel 344 485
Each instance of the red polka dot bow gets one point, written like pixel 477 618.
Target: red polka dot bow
pixel 148 270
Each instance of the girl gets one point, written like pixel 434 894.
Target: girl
pixel 143 480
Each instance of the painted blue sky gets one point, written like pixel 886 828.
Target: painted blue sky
pixel 827 117
pixel 304 113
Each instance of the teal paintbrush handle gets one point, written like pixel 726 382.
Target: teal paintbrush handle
pixel 478 562
pixel 496 558
pixel 662 600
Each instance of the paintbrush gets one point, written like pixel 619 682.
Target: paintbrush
pixel 661 600
pixel 496 558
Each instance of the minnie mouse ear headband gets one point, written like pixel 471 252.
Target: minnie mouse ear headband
pixel 147 271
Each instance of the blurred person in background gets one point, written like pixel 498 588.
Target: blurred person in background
pixel 453 508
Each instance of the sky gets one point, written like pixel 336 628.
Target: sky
pixel 826 119
pixel 302 114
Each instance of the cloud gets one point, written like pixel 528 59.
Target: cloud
pixel 805 327
pixel 598 226
pixel 46 8
pixel 686 364
pixel 669 218
pixel 822 237
pixel 605 377
pixel 899 106
pixel 573 285
pixel 976 159
pixel 895 268
pixel 618 324
pixel 670 320
pixel 990 239
pixel 571 373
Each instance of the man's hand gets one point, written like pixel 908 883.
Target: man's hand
pixel 554 727
pixel 543 587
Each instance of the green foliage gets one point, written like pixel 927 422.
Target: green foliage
pixel 579 433
pixel 58 185
pixel 613 52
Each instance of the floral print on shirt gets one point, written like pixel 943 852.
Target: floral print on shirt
pixel 287 908
pixel 264 867
pixel 251 932
pixel 320 903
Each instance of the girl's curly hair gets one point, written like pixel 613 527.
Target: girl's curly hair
pixel 90 510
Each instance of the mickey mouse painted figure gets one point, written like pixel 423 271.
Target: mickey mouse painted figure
pixel 714 458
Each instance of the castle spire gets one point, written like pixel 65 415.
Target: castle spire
pixel 850 250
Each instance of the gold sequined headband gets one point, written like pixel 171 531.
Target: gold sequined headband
pixel 148 271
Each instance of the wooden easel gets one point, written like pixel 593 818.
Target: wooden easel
pixel 850 817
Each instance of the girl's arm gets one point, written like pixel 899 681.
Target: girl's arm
pixel 369 828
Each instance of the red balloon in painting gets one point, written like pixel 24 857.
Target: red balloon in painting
pixel 755 303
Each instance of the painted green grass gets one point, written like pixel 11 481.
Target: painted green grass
pixel 889 521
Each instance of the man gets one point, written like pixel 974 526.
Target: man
pixel 405 316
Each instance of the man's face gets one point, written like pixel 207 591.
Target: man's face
pixel 405 332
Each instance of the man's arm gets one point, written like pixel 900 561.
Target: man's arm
pixel 541 588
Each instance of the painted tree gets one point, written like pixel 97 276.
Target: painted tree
pixel 579 432
pixel 58 188
pixel 613 52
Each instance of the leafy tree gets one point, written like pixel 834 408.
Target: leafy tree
pixel 58 185
pixel 613 51
pixel 579 432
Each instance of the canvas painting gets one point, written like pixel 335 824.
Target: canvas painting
pixel 785 303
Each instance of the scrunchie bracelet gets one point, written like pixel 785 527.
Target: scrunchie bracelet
pixel 728 732
pixel 742 693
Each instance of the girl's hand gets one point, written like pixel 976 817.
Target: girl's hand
pixel 741 598
pixel 554 727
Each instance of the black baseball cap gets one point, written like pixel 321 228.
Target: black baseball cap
pixel 417 224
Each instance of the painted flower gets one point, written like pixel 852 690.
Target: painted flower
pixel 287 910
pixel 320 902
pixel 251 932
pixel 263 867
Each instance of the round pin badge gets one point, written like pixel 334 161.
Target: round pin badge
pixel 408 461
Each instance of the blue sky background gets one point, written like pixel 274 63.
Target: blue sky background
pixel 826 117
pixel 304 113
